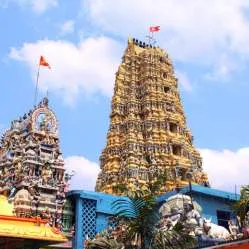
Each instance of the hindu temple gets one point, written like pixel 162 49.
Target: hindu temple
pixel 148 137
pixel 148 134
pixel 33 182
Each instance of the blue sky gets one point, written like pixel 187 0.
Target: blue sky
pixel 84 41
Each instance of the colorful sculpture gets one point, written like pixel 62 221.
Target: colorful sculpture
pixel 32 173
pixel 148 134
pixel 180 208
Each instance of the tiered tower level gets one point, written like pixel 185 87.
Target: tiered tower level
pixel 148 135
pixel 32 171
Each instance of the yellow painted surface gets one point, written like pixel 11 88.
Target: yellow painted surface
pixel 147 121
pixel 30 228
pixel 6 208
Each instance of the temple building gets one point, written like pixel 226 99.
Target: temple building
pixel 32 174
pixel 21 232
pixel 148 135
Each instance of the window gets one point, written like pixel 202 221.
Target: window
pixel 161 59
pixel 165 89
pixel 164 75
pixel 173 127
pixel 148 159
pixel 223 217
pixel 176 149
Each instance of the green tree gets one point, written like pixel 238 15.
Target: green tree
pixel 104 243
pixel 173 239
pixel 139 217
pixel 242 206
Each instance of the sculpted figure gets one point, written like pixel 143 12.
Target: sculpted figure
pixel 245 228
pixel 45 214
pixel 179 208
pixel 12 192
pixel 60 195
pixel 170 221
pixel 46 174
pixel 5 175
pixel 214 231
pixel 18 169
pixel 234 230
pixel 191 219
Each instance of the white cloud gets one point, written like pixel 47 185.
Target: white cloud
pixel 67 28
pixel 226 168
pixel 87 67
pixel 223 68
pixel 196 30
pixel 85 172
pixel 4 4
pixel 184 80
pixel 38 6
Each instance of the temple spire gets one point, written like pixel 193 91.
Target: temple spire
pixel 32 174
pixel 148 134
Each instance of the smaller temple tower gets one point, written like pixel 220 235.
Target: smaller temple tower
pixel 32 173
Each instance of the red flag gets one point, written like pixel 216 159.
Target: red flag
pixel 154 28
pixel 44 63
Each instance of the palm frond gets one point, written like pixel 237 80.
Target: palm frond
pixel 103 243
pixel 139 217
pixel 172 240
pixel 242 206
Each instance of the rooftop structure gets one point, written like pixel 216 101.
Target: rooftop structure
pixel 21 232
pixel 148 134
pixel 94 210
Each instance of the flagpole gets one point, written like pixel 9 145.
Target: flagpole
pixel 37 81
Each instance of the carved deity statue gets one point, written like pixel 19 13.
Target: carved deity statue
pixel 46 174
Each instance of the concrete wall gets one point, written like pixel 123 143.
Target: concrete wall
pixel 210 205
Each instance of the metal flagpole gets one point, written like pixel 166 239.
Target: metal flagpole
pixel 149 36
pixel 37 81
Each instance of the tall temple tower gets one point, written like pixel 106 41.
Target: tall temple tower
pixel 148 133
pixel 32 173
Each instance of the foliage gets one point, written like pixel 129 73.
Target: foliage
pixel 242 206
pixel 139 213
pixel 139 216
pixel 104 243
pixel 155 185
pixel 172 240
pixel 137 220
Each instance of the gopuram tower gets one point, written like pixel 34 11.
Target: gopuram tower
pixel 148 135
pixel 32 173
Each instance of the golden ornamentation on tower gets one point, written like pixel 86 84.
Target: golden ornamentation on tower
pixel 148 134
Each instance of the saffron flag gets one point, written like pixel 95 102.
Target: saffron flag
pixel 44 63
pixel 154 28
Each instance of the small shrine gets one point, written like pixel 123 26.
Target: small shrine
pixel 32 174
pixel 148 134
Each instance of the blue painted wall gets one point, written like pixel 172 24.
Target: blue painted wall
pixel 209 199
pixel 92 209
pixel 92 212
pixel 211 204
